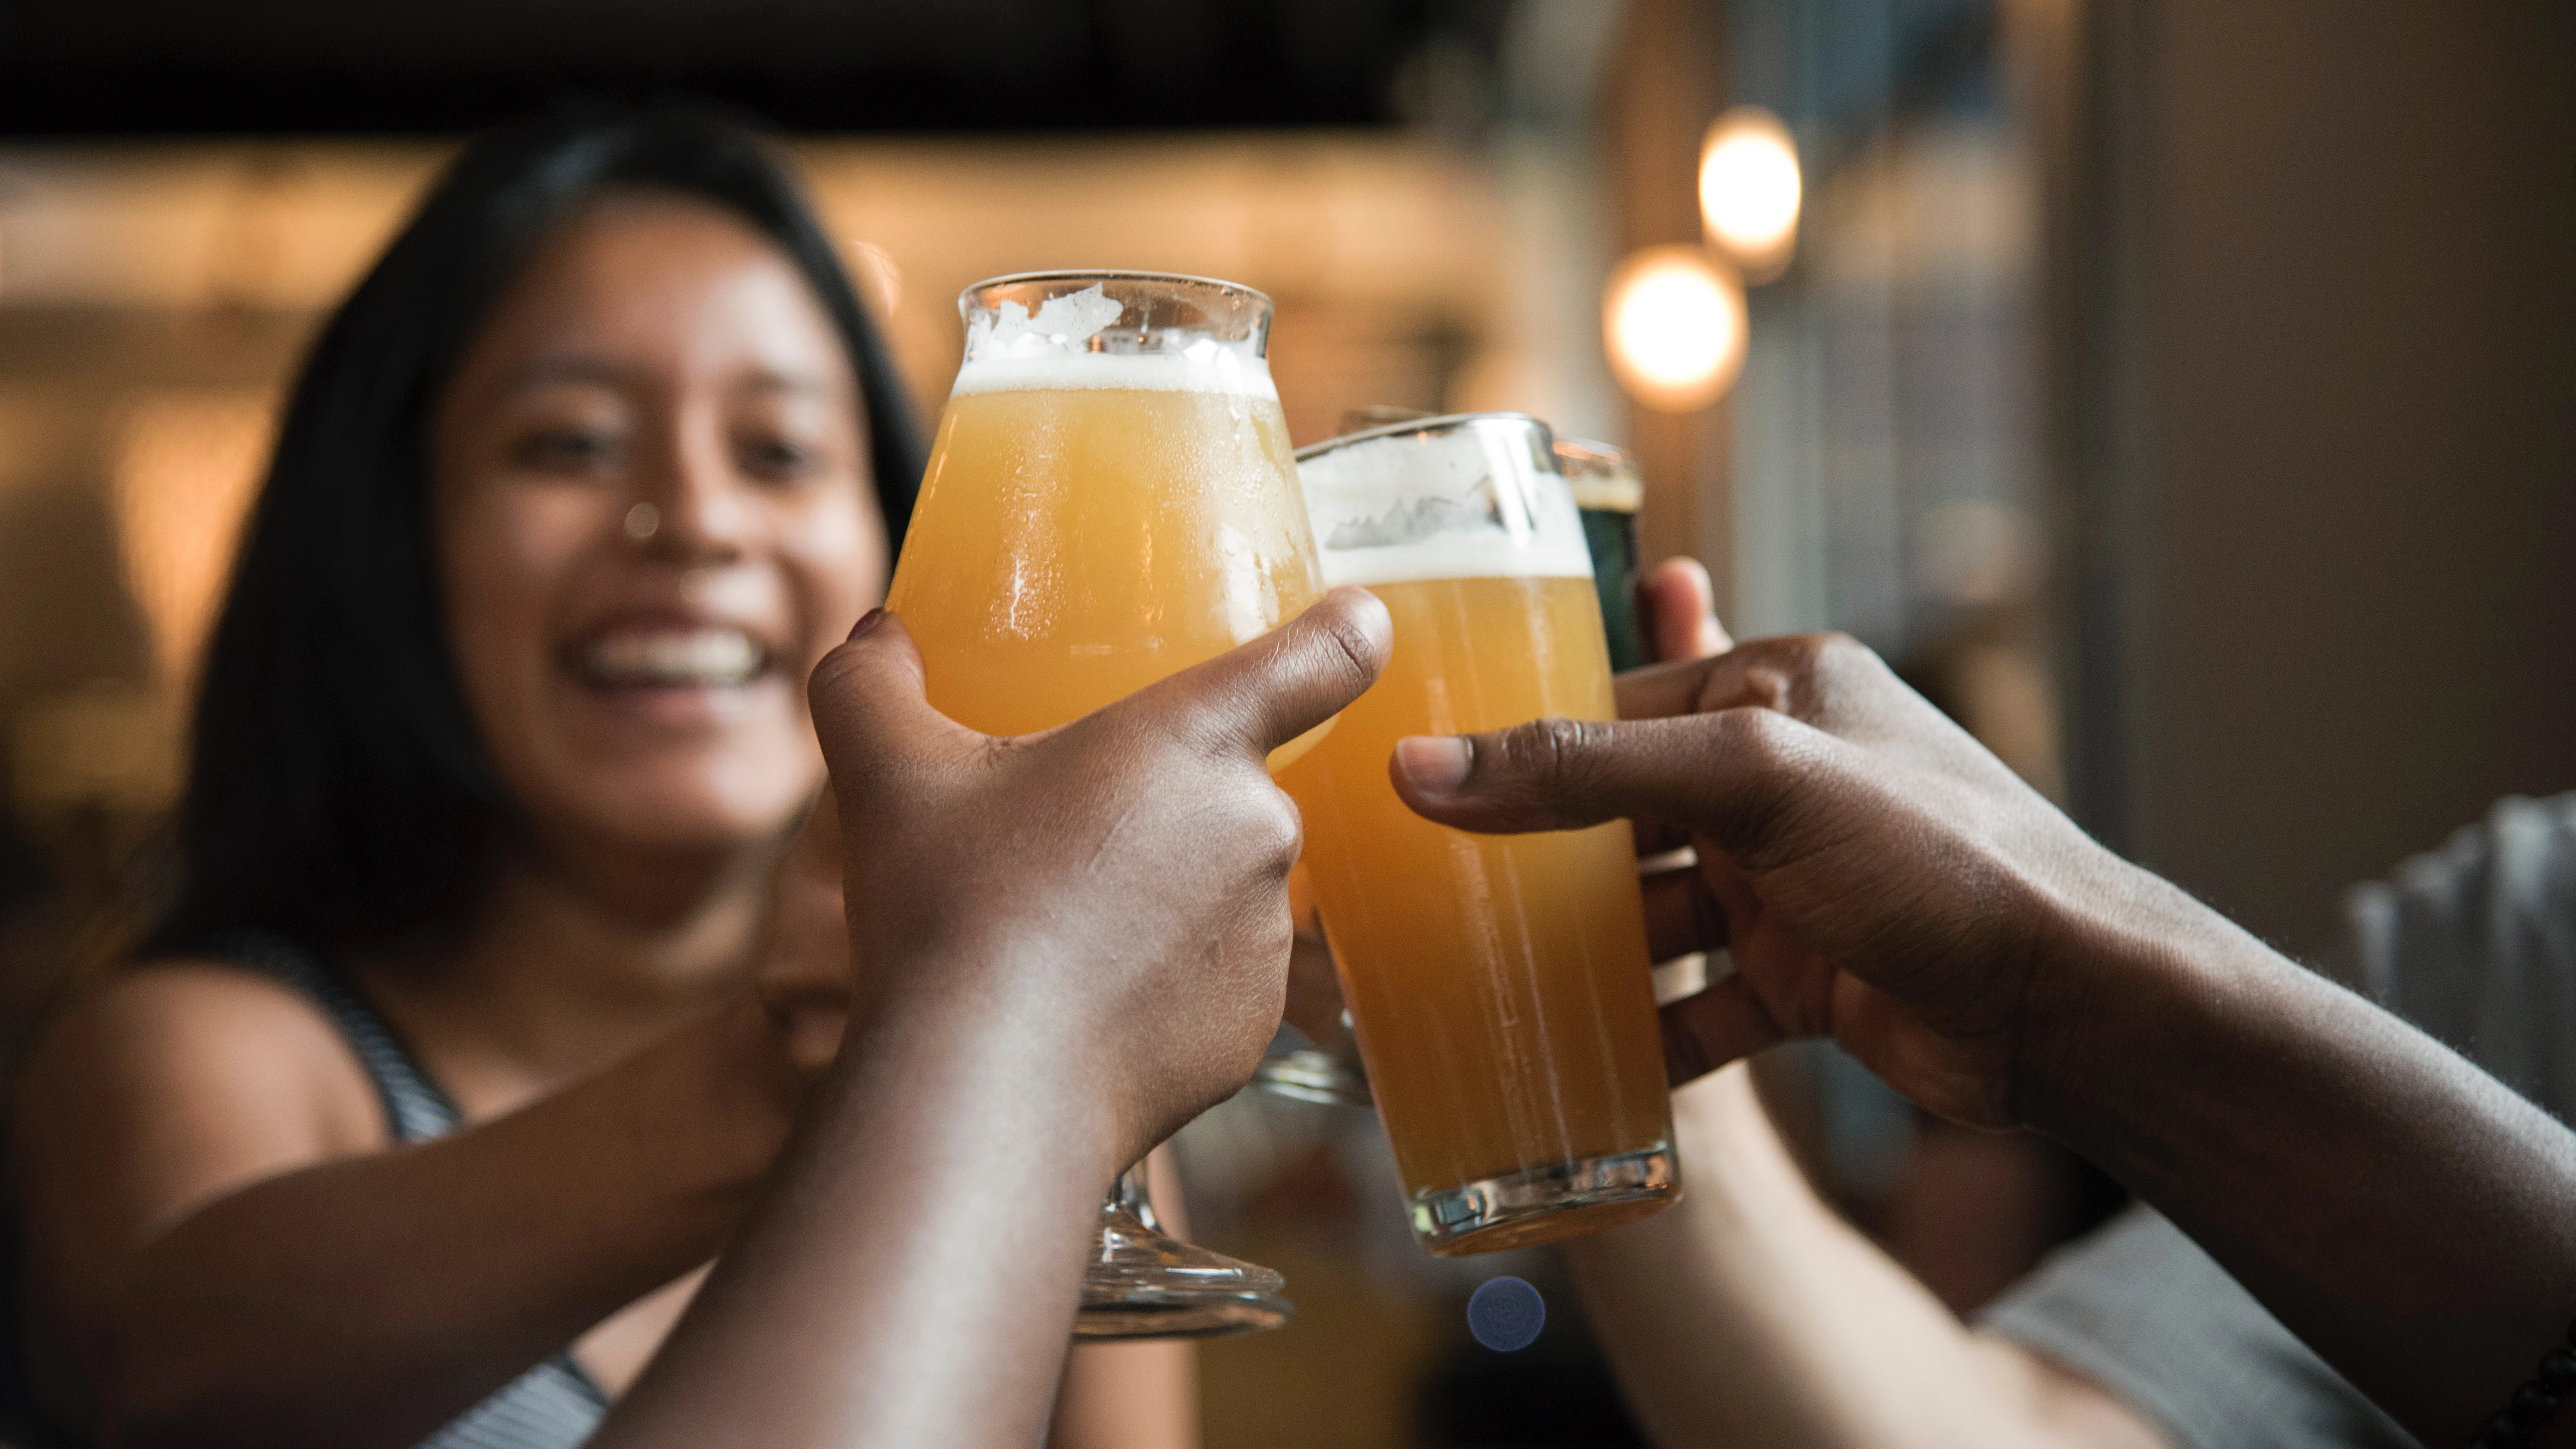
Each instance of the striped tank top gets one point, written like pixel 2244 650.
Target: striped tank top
pixel 555 1405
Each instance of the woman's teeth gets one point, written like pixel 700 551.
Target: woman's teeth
pixel 673 659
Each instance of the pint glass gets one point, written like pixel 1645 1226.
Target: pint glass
pixel 1319 1062
pixel 1500 984
pixel 1110 499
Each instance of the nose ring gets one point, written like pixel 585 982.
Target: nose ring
pixel 642 522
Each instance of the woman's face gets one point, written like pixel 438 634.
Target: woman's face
pixel 653 514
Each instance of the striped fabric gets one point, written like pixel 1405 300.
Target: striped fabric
pixel 552 1406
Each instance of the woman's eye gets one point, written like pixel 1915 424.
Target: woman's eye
pixel 778 459
pixel 570 450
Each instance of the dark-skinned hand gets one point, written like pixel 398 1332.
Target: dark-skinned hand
pixel 1878 876
pixel 1112 891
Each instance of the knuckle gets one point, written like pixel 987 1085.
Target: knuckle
pixel 1801 674
pixel 1548 761
pixel 1767 754
pixel 1808 653
pixel 830 680
pixel 1546 751
pixel 1758 737
pixel 1348 650
pixel 1282 833
pixel 1841 655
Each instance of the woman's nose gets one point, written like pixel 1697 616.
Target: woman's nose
pixel 694 511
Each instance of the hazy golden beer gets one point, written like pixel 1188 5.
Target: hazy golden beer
pixel 1499 983
pixel 1110 499
pixel 1092 522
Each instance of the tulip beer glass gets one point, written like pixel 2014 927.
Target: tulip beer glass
pixel 1500 984
pixel 1110 499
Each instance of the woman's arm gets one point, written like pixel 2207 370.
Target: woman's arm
pixel 1142 1394
pixel 912 1275
pixel 1751 1314
pixel 217 1236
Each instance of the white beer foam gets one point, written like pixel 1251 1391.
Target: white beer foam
pixel 1465 503
pixel 1219 370
pixel 1013 351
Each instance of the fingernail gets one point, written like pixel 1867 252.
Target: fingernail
pixel 1435 764
pixel 867 621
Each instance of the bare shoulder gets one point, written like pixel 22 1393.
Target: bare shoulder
pixel 195 1055
pixel 163 1090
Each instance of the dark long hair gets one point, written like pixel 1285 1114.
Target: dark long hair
pixel 338 793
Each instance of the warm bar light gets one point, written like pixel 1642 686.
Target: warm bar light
pixel 187 465
pixel 1749 190
pixel 1673 321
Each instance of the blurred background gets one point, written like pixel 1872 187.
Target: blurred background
pixel 2182 394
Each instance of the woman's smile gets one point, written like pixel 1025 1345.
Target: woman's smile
pixel 674 669
pixel 665 656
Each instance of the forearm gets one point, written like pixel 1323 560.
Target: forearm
pixel 368 1300
pixel 1750 1314
pixel 912 1273
pixel 1139 1394
pixel 2400 1210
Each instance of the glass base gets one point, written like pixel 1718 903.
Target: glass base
pixel 1543 1204
pixel 1311 1074
pixel 1144 1283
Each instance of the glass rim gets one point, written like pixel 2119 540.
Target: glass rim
pixel 1113 274
pixel 1597 448
pixel 1437 423
pixel 1604 476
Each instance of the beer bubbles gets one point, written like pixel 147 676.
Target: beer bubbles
pixel 1506 1314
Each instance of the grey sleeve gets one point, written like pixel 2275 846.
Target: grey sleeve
pixel 2476 944
pixel 2137 1308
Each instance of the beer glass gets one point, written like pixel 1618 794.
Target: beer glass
pixel 1110 499
pixel 1500 984
pixel 1316 1058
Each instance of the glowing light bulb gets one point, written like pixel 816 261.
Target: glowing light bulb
pixel 1750 190
pixel 1673 322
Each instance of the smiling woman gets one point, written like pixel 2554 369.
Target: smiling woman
pixel 644 688
pixel 477 1016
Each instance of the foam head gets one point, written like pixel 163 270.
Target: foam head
pixel 1470 496
pixel 1115 330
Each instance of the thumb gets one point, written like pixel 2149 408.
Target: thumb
pixel 1263 694
pixel 1682 606
pixel 1726 775
pixel 871 711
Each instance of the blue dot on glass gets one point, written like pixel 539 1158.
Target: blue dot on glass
pixel 1506 1314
